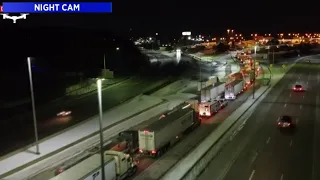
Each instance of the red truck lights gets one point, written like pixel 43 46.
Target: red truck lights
pixel 1 8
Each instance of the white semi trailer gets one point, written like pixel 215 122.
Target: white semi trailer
pixel 156 138
pixel 233 89
pixel 117 165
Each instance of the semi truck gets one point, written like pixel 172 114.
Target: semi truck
pixel 158 137
pixel 117 165
pixel 233 89
pixel 212 92
pixel 126 141
pixel 209 108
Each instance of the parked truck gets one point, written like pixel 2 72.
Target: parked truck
pixel 212 92
pixel 209 108
pixel 233 89
pixel 117 165
pixel 157 138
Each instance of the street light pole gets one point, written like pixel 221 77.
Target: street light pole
pixel 254 71
pixel 99 82
pixel 33 107
pixel 104 61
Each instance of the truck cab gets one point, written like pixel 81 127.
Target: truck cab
pixel 209 108
pixel 125 165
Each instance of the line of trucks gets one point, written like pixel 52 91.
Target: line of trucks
pixel 214 97
pixel 152 138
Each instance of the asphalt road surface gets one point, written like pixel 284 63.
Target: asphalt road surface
pixel 261 151
pixel 154 168
pixel 19 131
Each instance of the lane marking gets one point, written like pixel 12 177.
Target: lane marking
pixel 300 106
pixel 268 140
pixel 307 82
pixel 281 178
pixel 285 105
pixel 254 157
pixel 251 176
pixel 291 143
pixel 297 120
pixel 290 95
pixel 303 97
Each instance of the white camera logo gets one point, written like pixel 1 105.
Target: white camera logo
pixel 15 18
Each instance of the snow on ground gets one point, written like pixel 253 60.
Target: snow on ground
pixel 171 88
pixel 76 133
pixel 180 96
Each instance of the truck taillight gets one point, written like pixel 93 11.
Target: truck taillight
pixel 59 171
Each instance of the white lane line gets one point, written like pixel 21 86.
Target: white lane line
pixel 254 157
pixel 268 140
pixel 307 82
pixel 303 97
pixel 297 120
pixel 290 95
pixel 291 143
pixel 285 105
pixel 251 176
pixel 281 177
pixel 300 106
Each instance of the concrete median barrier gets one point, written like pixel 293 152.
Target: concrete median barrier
pixel 195 162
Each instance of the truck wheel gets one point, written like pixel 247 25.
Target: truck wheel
pixel 159 153
pixel 132 171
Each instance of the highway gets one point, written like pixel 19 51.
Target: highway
pixel 260 151
pixel 20 128
pixel 154 168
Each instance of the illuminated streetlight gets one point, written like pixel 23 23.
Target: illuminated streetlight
pixel 254 70
pixel 99 89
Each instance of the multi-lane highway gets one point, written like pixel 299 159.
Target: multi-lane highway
pixel 18 131
pixel 260 151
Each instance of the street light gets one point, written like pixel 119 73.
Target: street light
pixel 99 89
pixel 104 61
pixel 33 107
pixel 254 70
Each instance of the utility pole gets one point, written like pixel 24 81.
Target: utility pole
pixel 33 107
pixel 104 61
pixel 273 56
pixel 99 82
pixel 254 71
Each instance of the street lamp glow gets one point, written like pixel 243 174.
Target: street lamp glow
pixel 117 48
pixel 99 89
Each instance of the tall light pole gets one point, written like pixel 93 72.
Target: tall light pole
pixel 99 84
pixel 254 70
pixel 104 61
pixel 33 107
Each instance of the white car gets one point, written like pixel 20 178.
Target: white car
pixel 64 113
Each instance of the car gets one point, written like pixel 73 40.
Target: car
pixel 285 122
pixel 64 113
pixel 298 88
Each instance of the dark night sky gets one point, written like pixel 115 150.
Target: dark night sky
pixel 198 16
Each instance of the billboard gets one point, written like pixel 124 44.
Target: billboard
pixel 186 33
